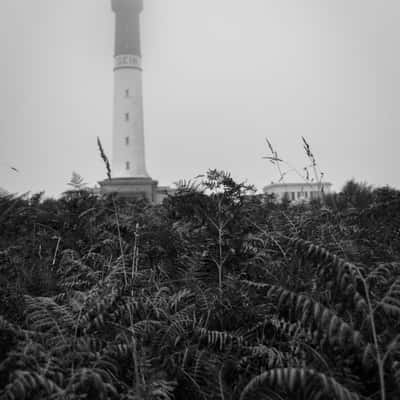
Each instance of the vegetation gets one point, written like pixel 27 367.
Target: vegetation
pixel 218 293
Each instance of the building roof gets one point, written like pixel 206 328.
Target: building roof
pixel 297 184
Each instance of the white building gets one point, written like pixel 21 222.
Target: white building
pixel 297 192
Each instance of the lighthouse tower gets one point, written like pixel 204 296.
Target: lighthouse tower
pixel 128 135
pixel 129 174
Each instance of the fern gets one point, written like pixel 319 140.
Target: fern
pixel 385 272
pixel 312 313
pixel 26 384
pixel 181 324
pixel 46 316
pixel 96 382
pixel 338 272
pixel 273 328
pixel 196 371
pixel 391 301
pixel 261 358
pixel 286 318
pixel 184 296
pixel 220 340
pixel 312 384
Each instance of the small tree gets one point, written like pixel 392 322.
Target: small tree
pixel 77 182
pixel 215 205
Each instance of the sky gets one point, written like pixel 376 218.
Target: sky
pixel 219 77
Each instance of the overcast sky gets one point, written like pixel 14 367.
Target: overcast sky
pixel 219 76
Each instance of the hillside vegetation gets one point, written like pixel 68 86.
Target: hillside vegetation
pixel 215 294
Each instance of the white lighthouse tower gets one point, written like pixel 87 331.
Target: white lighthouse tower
pixel 128 135
pixel 129 174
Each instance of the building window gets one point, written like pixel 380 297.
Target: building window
pixel 293 195
pixel 126 92
pixel 298 195
pixel 128 165
pixel 306 195
pixel 127 140
pixel 127 117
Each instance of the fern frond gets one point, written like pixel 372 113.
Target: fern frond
pixel 199 371
pixel 331 266
pixel 183 296
pixel 25 384
pixel 88 344
pixel 311 313
pixel 384 272
pixel 161 389
pixel 145 328
pixel 314 385
pixel 46 316
pixel 274 328
pixel 96 381
pixel 256 285
pixel 260 358
pixel 391 302
pixel 99 310
pixel 220 339
pixel 180 325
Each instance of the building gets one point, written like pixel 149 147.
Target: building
pixel 128 167
pixel 298 192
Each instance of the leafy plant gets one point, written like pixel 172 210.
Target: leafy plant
pixel 218 293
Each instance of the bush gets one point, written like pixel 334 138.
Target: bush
pixel 218 293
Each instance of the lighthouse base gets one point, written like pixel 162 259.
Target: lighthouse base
pixel 136 188
pixel 131 188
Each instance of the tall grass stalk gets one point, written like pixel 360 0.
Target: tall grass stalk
pixel 135 256
pixel 56 251
pixel 108 169
pixel 121 247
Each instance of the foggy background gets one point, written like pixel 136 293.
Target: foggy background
pixel 219 77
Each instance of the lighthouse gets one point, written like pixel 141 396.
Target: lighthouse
pixel 128 156
pixel 128 167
